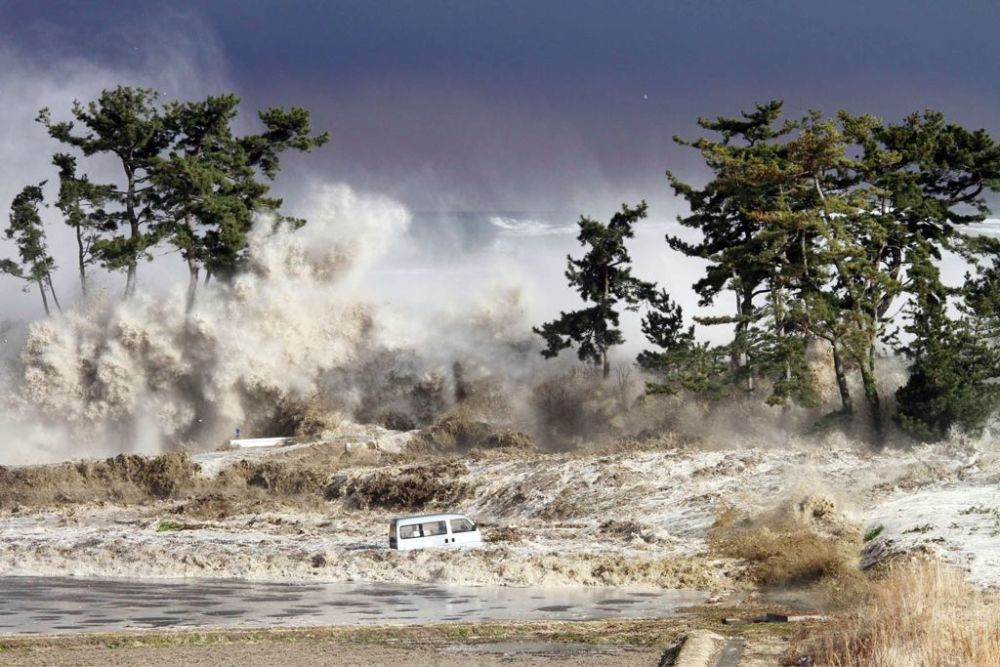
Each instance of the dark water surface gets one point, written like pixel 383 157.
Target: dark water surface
pixel 48 605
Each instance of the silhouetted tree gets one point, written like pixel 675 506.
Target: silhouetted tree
pixel 26 230
pixel 208 187
pixel 186 178
pixel 603 278
pixel 82 205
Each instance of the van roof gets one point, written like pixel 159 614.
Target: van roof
pixel 429 517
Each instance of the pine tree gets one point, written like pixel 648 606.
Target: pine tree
pixel 82 204
pixel 831 222
pixel 954 371
pixel 186 178
pixel 208 186
pixel 26 230
pixel 602 277
pixel 744 163
pixel 678 361
pixel 878 202
pixel 126 124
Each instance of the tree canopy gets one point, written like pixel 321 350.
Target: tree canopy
pixel 25 228
pixel 828 231
pixel 818 225
pixel 603 278
pixel 186 178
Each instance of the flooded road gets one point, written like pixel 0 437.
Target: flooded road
pixel 46 605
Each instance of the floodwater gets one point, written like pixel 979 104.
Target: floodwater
pixel 59 605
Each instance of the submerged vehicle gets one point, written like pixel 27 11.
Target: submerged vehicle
pixel 432 530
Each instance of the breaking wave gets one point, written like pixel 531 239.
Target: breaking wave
pixel 143 375
pixel 528 227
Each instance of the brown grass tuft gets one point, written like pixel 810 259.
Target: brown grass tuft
pixel 456 431
pixel 628 530
pixel 574 407
pixel 801 543
pixel 509 441
pixel 923 614
pixel 652 442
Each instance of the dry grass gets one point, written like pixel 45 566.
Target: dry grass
pixel 801 543
pixel 299 416
pixel 509 441
pixel 628 530
pixel 282 479
pixel 564 506
pixel 456 431
pixel 787 557
pixel 650 442
pixel 638 632
pixel 924 613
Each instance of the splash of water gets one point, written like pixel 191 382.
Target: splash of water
pixel 143 375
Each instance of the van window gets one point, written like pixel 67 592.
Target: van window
pixel 435 528
pixel 412 530
pixel 462 526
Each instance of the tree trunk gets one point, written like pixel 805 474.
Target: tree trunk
pixel 81 262
pixel 740 357
pixel 208 276
pixel 133 222
pixel 845 392
pixel 130 280
pixel 604 327
pixel 746 307
pixel 734 354
pixel 191 257
pixel 192 282
pixel 52 290
pixel 45 300
pixel 872 398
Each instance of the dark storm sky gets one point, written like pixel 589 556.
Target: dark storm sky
pixel 547 104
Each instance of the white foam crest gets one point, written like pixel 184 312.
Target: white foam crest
pixel 527 227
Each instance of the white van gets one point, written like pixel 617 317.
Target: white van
pixel 432 530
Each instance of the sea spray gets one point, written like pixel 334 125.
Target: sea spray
pixel 143 375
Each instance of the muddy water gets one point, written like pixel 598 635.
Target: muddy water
pixel 52 605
